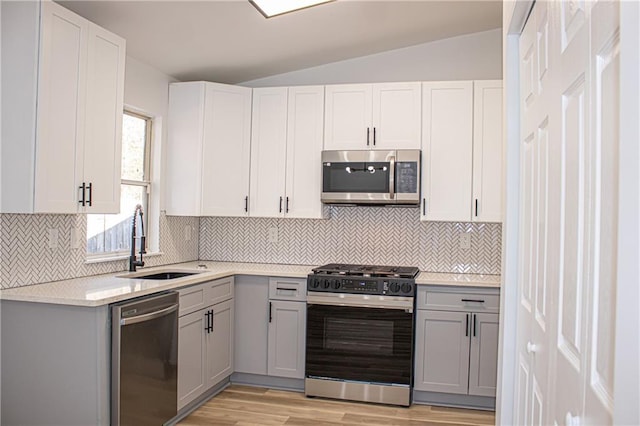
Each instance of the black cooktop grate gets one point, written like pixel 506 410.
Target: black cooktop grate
pixel 367 270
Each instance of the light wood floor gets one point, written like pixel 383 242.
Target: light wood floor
pixel 243 405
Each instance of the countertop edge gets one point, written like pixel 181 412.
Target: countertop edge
pixel 222 270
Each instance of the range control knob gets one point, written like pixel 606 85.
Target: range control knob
pixel 395 287
pixel 326 283
pixel 315 283
pixel 406 287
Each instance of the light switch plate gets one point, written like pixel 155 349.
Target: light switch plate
pixel 273 235
pixel 75 238
pixel 53 238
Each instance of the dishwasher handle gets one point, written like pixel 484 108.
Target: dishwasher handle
pixel 149 316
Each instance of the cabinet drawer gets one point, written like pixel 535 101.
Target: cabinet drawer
pixel 476 300
pixel 288 289
pixel 206 294
pixel 219 290
pixel 192 299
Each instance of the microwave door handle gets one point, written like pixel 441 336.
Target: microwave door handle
pixel 392 177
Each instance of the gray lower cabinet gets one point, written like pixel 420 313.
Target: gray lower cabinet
pixel 205 341
pixel 270 323
pixel 456 342
pixel 287 339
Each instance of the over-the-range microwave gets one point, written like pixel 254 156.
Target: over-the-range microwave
pixel 371 177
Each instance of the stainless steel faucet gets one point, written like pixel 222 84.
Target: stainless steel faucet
pixel 133 263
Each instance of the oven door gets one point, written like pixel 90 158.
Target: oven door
pixel 357 343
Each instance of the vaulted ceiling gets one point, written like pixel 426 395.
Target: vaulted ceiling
pixel 230 41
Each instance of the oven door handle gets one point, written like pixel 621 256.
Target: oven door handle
pixel 360 303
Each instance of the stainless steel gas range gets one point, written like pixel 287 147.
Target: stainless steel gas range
pixel 360 333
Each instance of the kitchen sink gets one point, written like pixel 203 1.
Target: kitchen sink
pixel 164 275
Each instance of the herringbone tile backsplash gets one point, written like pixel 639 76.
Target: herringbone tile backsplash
pixel 25 257
pixel 373 235
pixel 376 235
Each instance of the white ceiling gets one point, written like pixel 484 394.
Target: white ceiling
pixel 231 42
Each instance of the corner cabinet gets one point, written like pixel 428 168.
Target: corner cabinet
pixel 456 341
pixel 286 146
pixel 73 165
pixel 208 149
pixel 372 116
pixel 205 338
pixel 271 326
pixel 462 149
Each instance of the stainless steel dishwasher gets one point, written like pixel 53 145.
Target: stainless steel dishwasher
pixel 144 360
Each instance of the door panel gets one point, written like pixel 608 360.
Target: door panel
pixel 442 366
pixel 287 339
pixel 191 357
pixel 483 356
pixel 348 117
pixel 220 343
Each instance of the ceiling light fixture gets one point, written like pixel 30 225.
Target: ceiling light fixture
pixel 271 8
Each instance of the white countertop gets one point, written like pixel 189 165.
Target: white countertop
pixel 461 280
pixel 99 290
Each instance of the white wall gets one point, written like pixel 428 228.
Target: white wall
pixel 474 56
pixel 146 90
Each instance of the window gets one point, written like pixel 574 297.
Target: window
pixel 111 233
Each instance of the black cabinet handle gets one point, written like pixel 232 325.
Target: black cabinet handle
pixel 466 328
pixel 83 199
pixel 211 318
pixel 270 312
pixel 424 207
pixel 280 210
pixel 374 136
pixel 286 209
pixel 206 314
pixel 476 207
pixel 475 320
pixel 246 203
pixel 367 136
pixel 473 300
pixel 90 194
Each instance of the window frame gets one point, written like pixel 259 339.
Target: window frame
pixel 145 183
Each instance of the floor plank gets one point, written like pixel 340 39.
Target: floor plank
pixel 241 405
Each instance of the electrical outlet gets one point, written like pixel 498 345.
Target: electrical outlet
pixel 53 238
pixel 465 241
pixel 272 237
pixel 187 233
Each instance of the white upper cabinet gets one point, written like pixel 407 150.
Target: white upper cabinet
pixel 372 116
pixel 286 146
pixel 462 151
pixel 447 147
pixel 397 118
pixel 208 149
pixel 487 151
pixel 73 165
pixel 103 129
pixel 304 151
pixel 268 152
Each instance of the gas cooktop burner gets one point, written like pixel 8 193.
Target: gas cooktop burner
pixel 367 270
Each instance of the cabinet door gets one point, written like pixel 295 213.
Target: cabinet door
pixel 191 357
pixel 442 351
pixel 226 150
pixel 304 148
pixel 220 343
pixel 103 129
pixel 184 149
pixel 483 359
pixel 487 151
pixel 347 122
pixel 251 318
pixel 287 328
pixel 60 109
pixel 397 118
pixel 268 152
pixel 447 146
